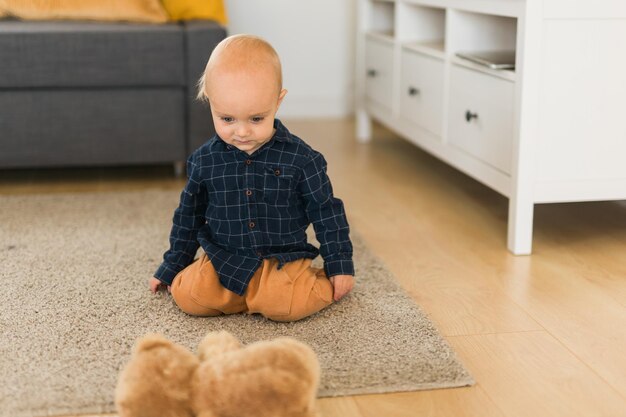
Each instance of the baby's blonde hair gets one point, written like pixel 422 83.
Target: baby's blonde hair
pixel 243 52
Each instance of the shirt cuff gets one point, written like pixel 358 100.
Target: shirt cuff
pixel 166 273
pixel 339 267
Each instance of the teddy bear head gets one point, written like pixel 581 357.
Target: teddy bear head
pixel 157 380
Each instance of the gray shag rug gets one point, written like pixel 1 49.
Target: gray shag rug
pixel 74 270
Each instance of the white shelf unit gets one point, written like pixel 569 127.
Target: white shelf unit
pixel 551 130
pixel 381 19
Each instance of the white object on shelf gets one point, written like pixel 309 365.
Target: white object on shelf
pixel 551 130
pixel 491 59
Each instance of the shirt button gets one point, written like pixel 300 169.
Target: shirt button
pixel 251 224
pixel 248 161
pixel 277 172
pixel 248 193
pixel 259 254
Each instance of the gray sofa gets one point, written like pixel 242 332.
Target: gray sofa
pixel 86 94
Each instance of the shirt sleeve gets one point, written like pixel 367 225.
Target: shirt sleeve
pixel 187 221
pixel 328 216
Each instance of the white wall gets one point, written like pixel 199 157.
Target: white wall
pixel 315 41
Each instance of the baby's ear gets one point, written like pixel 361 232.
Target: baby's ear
pixel 216 343
pixel 281 96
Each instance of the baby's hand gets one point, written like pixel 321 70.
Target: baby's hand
pixel 342 284
pixel 156 285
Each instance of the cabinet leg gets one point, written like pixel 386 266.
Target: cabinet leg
pixel 520 227
pixel 179 169
pixel 363 126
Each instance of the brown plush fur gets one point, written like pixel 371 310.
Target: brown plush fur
pixel 277 378
pixel 216 343
pixel 156 382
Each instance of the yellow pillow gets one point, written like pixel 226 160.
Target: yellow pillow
pixel 129 10
pixel 196 9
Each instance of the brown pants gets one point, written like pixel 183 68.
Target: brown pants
pixel 288 294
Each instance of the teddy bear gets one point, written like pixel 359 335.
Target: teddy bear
pixel 277 378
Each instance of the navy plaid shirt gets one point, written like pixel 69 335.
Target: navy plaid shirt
pixel 243 208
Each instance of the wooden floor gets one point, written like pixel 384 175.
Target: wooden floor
pixel 543 335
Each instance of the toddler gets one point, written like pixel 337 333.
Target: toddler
pixel 253 190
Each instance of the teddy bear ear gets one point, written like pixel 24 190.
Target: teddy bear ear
pixel 216 343
pixel 151 341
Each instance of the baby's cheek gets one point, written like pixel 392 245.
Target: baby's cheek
pixel 267 132
pixel 222 132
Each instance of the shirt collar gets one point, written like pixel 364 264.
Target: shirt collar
pixel 281 135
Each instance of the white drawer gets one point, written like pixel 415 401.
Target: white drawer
pixel 421 90
pixel 379 71
pixel 481 116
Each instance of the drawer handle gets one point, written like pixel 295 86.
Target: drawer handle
pixel 413 91
pixel 469 116
pixel 372 72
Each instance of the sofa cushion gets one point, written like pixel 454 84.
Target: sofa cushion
pixel 91 127
pixel 89 54
pixel 194 9
pixel 128 10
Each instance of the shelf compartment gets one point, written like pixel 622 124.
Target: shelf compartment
pixel 381 18
pixel 420 24
pixel 476 32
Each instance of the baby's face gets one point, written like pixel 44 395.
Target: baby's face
pixel 243 105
